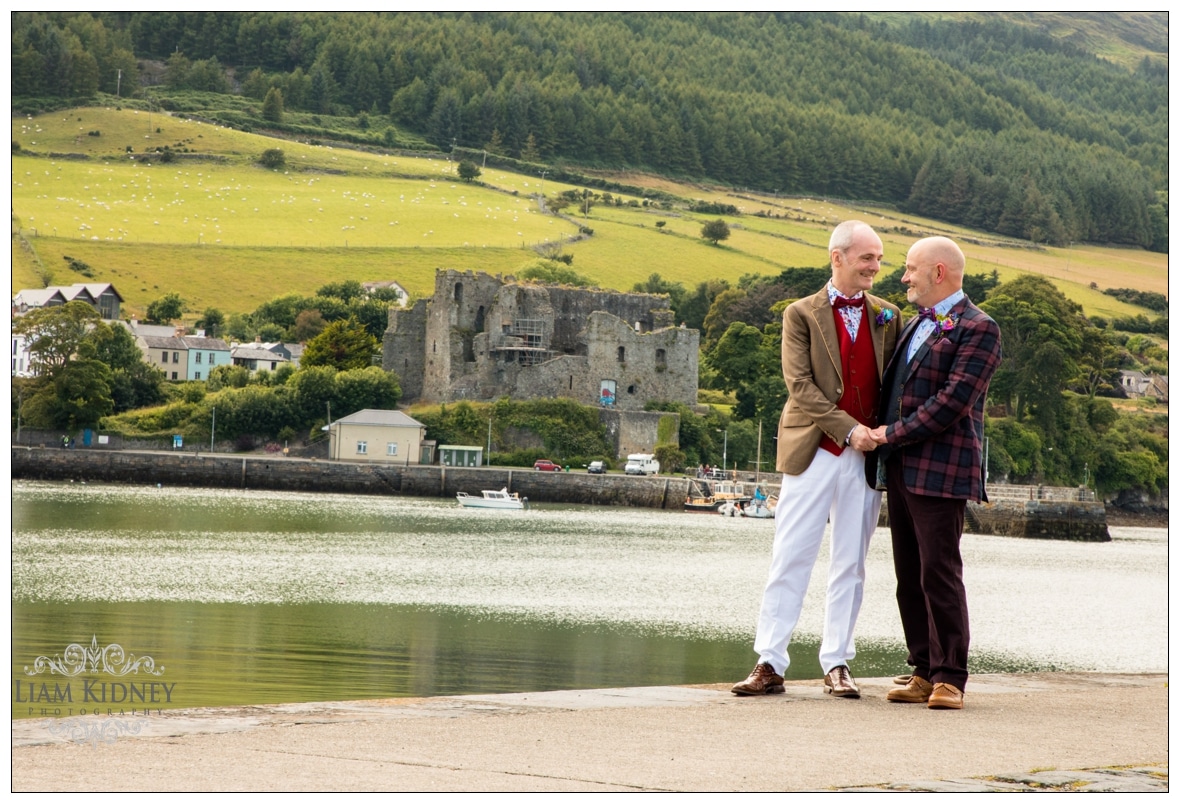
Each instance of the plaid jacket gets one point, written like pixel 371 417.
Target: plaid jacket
pixel 935 425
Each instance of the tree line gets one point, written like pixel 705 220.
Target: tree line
pixel 990 125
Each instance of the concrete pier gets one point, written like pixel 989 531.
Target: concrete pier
pixel 1035 732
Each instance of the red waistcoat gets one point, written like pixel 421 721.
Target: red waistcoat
pixel 858 368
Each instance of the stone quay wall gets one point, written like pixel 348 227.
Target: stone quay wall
pixel 1040 519
pixel 215 470
pixel 1075 521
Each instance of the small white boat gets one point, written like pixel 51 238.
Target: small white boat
pixel 760 508
pixel 493 499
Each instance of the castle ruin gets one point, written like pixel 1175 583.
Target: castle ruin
pixel 482 337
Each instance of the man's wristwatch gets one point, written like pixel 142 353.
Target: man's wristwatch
pixel 848 438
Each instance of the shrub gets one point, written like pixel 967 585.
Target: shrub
pixel 273 158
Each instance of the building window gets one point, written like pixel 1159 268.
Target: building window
pixel 622 354
pixel 661 359
pixel 391 448
pixel 174 375
pixel 211 358
pixel 164 357
pixel 198 358
pixel 362 448
pixel 176 357
pixel 197 376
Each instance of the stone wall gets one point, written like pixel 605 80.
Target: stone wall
pixel 1040 519
pixel 634 431
pixel 660 365
pixel 403 348
pixel 1074 521
pixel 473 344
pixel 294 474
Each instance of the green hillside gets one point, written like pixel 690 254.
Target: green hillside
pixel 220 230
pixel 1051 127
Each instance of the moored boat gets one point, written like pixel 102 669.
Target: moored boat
pixel 717 496
pixel 493 499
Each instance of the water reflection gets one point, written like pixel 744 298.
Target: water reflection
pixel 254 597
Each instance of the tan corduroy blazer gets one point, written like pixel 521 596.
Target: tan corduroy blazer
pixel 811 369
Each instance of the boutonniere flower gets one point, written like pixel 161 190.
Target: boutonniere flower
pixel 884 315
pixel 945 323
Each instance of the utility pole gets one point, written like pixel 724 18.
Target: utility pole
pixel 119 83
pixel 489 458
pixel 213 431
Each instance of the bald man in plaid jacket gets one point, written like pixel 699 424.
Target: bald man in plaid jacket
pixel 931 463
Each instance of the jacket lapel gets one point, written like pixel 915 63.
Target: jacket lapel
pixel 878 335
pixel 821 308
pixel 960 309
pixel 903 343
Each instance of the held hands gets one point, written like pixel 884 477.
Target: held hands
pixel 861 439
pixel 878 436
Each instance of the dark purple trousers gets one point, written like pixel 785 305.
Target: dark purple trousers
pixel 931 597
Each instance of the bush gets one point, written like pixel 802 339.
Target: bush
pixel 273 158
pixel 522 457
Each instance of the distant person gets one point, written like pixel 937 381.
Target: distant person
pixel 835 345
pixel 931 460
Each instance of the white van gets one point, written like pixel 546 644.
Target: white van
pixel 641 464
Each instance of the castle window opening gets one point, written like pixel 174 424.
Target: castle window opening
pixel 661 358
pixel 622 354
pixel 458 293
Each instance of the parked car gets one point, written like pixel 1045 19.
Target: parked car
pixel 596 468
pixel 546 466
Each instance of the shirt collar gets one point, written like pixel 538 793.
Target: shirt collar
pixel 944 306
pixel 834 294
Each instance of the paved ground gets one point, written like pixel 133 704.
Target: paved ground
pixel 1047 731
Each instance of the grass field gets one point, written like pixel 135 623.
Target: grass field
pixel 221 231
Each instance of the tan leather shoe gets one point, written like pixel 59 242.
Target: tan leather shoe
pixel 945 696
pixel 901 681
pixel 838 682
pixel 917 691
pixel 761 681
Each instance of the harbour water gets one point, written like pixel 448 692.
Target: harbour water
pixel 243 597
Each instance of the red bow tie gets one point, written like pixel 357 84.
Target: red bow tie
pixel 841 301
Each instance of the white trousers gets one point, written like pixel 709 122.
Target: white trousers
pixel 830 487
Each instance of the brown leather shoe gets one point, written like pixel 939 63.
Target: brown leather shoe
pixel 761 681
pixel 917 691
pixel 901 681
pixel 838 682
pixel 945 696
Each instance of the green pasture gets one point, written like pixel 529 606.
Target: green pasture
pixel 246 205
pixel 238 280
pixel 221 231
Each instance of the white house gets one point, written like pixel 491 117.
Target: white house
pixel 379 436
